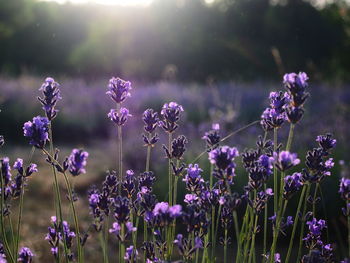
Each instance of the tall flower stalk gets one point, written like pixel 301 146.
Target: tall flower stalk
pixel 119 90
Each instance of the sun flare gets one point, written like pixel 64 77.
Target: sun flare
pixel 106 2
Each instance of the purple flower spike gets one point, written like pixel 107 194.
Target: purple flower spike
pixel 5 170
pixel 116 228
pixel 119 117
pixel 316 227
pixel 25 255
pixel 344 188
pixel 77 162
pixel 223 157
pixel 37 131
pixel 118 89
pixel 326 142
pixel 293 79
pixel 285 160
pixel 51 93
pixel 151 120
pixel 292 183
pixel 171 115
pixel 131 254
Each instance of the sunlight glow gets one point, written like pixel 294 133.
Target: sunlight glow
pixel 105 2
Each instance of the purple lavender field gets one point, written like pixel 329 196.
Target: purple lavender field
pixel 164 131
pixel 236 110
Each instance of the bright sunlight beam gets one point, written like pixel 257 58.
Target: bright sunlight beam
pixel 106 2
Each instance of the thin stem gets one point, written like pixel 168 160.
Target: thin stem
pixel 71 201
pixel 20 209
pixel 265 225
pixel 216 230
pixel 347 208
pixel 103 246
pixel 2 203
pixel 242 234
pixel 225 247
pixel 105 252
pixel 252 249
pixel 235 222
pixel 12 234
pixel 290 136
pixel 58 195
pixel 170 171
pixel 303 223
pixel 314 200
pixel 275 186
pixel 277 230
pixel 296 219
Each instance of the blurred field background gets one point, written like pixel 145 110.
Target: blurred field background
pixel 219 59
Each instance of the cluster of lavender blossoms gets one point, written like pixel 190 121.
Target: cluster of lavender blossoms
pixel 213 209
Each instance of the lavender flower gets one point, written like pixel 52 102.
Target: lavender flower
pixel 258 204
pixel 177 148
pixel 77 162
pixel 51 94
pixel 5 170
pixel 223 157
pixel 326 142
pixel 129 183
pixel 193 178
pixel 146 179
pixel 185 246
pixel 286 160
pixel 118 89
pixel 119 117
pixel 116 230
pixel 163 214
pixel 53 236
pixel 121 209
pixel 313 238
pixel 37 131
pixel 279 100
pixel 344 188
pixel 151 120
pixel 292 184
pixel 271 119
pixel 296 85
pixel 212 137
pixel 25 255
pixel 171 115
pixel 294 114
pixel 131 254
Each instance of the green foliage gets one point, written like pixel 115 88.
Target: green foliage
pixel 188 39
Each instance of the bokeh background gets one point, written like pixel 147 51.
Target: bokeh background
pixel 218 58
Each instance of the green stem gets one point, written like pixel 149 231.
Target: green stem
pixel 243 234
pixel 296 219
pixel 12 234
pixel 277 230
pixel 170 171
pixel 105 240
pixel 100 234
pixel 275 198
pixel 347 208
pixel 71 201
pixel 265 225
pixel 235 222
pixel 290 136
pixel 216 229
pixel 225 247
pixel 303 223
pixel 58 195
pixel 252 248
pixel 20 209
pixel 3 230
pixel 314 200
